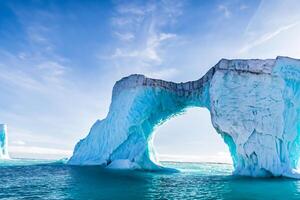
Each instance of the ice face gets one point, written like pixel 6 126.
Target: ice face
pixel 139 104
pixel 3 142
pixel 254 106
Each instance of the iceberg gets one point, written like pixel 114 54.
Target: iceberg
pixel 254 106
pixel 3 142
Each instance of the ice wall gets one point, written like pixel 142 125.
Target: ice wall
pixel 3 142
pixel 254 106
pixel 139 104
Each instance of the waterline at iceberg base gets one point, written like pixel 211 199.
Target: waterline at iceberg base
pixel 254 105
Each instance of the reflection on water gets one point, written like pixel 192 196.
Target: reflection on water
pixel 195 181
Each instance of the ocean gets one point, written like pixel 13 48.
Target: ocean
pixel 23 179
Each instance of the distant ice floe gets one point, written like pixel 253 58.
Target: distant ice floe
pixel 3 142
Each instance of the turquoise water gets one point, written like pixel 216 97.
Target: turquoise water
pixel 45 180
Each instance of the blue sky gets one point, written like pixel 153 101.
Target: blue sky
pixel 60 59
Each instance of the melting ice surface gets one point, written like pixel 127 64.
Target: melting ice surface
pixel 254 105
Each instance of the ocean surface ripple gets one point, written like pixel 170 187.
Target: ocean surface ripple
pixel 55 180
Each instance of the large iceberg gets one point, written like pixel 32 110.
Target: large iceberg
pixel 254 106
pixel 3 142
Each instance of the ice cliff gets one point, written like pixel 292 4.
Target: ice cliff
pixel 254 106
pixel 3 142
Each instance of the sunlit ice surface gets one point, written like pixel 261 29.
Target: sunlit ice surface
pixel 244 98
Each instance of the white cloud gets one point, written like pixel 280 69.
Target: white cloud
pixel 275 25
pixel 36 73
pixel 266 37
pixel 163 74
pixel 17 78
pixel 52 72
pixel 165 36
pixel 36 33
pixel 153 43
pixel 139 27
pixel 119 53
pixel 147 53
pixel 243 7
pixel 41 103
pixel 53 67
pixel 125 36
pixel 225 10
pixel 132 9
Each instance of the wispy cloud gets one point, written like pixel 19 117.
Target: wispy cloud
pixel 41 102
pixel 125 36
pixel 165 74
pixel 17 78
pixel 38 66
pixel 266 26
pixel 225 10
pixel 133 9
pixel 142 35
pixel 33 73
pixel 36 33
pixel 54 87
pixel 147 52
pixel 266 37
pixel 243 7
pixel 53 71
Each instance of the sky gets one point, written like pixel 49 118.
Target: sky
pixel 60 59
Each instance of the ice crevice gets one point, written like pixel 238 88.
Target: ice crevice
pixel 254 106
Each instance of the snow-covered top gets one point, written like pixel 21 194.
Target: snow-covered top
pixel 136 80
pixel 253 66
pixel 257 66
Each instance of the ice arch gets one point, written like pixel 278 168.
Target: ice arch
pixel 254 104
pixel 139 104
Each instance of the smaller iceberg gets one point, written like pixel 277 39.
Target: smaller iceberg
pixel 3 142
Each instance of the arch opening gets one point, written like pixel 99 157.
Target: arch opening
pixel 189 137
